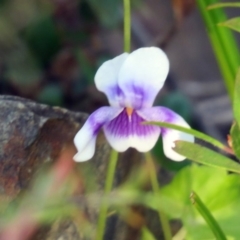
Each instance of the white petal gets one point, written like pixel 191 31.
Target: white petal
pixel 170 136
pixel 142 75
pixel 88 152
pixel 142 144
pixel 163 114
pixel 124 132
pixel 106 79
pixel 85 139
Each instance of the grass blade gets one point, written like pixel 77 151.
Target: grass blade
pixel 212 223
pixel 203 155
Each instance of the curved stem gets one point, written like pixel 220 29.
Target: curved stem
pixel 155 186
pixel 127 25
pixel 107 189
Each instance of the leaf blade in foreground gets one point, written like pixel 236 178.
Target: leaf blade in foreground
pixel 194 132
pixel 233 23
pixel 235 139
pixel 236 98
pixel 222 5
pixel 205 156
pixel 203 210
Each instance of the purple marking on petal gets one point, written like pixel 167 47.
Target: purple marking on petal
pixel 124 126
pixel 135 95
pixel 100 117
pixel 96 126
pixel 116 93
pixel 161 114
pixel 170 117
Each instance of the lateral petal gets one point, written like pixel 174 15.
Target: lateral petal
pixel 85 139
pixel 87 152
pixel 164 114
pixel 142 75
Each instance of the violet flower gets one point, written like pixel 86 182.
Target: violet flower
pixel 131 83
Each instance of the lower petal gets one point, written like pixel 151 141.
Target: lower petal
pixel 128 131
pixel 163 114
pixel 85 139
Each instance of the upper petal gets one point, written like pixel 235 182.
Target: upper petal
pixel 106 79
pixel 85 139
pixel 142 75
pixel 169 135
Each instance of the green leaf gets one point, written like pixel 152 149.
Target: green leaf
pixel 202 209
pixel 235 138
pixel 193 132
pixel 205 156
pixel 218 190
pixel 236 99
pixel 233 23
pixel 220 5
pixel 146 234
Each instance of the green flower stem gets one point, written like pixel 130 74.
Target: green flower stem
pixel 155 186
pixel 202 209
pixel 108 186
pixel 127 25
pixel 114 155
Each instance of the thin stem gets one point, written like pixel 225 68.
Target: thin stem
pixel 107 189
pixel 155 186
pixel 127 25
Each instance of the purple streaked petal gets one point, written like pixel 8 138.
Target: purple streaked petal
pixel 163 114
pixel 85 139
pixel 124 132
pixel 106 80
pixel 142 75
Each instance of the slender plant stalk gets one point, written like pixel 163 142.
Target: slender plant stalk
pixel 212 223
pixel 108 186
pixel 155 186
pixel 127 25
pixel 114 155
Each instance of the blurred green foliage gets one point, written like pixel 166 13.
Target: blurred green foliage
pixel 219 192
pixel 51 94
pixel 43 39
